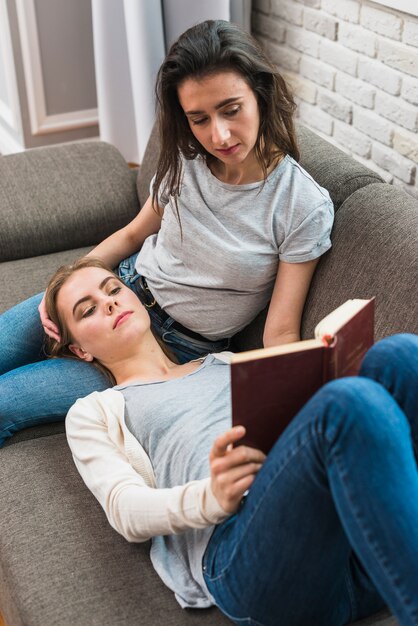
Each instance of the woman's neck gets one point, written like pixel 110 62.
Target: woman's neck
pixel 245 173
pixel 151 374
pixel 148 363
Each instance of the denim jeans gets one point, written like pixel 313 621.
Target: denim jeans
pixel 328 532
pixel 35 390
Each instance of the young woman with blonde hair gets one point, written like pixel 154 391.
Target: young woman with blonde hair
pixel 324 530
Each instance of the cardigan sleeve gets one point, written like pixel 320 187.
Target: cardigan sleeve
pixel 135 509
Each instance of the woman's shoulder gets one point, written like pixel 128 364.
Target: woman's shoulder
pixel 302 182
pixel 97 403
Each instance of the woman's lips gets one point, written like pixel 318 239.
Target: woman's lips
pixel 121 318
pixel 229 151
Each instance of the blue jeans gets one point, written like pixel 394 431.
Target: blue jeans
pixel 328 532
pixel 35 390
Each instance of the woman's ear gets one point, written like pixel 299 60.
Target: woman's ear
pixel 80 353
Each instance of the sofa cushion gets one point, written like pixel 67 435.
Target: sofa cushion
pixel 62 197
pixel 61 561
pixel 339 173
pixel 42 430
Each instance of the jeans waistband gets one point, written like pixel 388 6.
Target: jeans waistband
pixel 151 303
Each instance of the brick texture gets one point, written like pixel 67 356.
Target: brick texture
pixel 353 69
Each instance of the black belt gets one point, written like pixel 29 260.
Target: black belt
pixel 151 303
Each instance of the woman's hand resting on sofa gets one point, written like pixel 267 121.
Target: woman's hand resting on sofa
pixel 233 469
pixel 50 328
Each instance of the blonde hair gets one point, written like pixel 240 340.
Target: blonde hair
pixel 58 349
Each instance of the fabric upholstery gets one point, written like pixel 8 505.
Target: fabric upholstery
pixel 61 560
pixel 375 253
pixel 63 197
pixel 332 168
pixel 148 166
pixel 23 278
pixel 43 430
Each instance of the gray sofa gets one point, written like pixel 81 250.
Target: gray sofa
pixel 60 562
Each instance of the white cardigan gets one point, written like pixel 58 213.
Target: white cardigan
pixel 119 473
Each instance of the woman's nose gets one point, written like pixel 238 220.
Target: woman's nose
pixel 110 303
pixel 220 132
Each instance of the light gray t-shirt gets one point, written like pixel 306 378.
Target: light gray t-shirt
pixel 219 272
pixel 176 422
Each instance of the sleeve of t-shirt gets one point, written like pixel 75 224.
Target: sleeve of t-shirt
pixel 309 239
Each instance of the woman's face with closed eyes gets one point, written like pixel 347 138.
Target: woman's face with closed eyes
pixel 103 316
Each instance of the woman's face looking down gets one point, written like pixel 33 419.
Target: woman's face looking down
pixel 223 114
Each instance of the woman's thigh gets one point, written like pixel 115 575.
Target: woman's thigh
pixel 43 392
pixel 21 335
pixel 393 362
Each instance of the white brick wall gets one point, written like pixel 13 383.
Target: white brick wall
pixel 353 67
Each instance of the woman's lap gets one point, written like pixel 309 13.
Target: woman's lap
pixel 34 390
pixel 43 392
pixel 21 335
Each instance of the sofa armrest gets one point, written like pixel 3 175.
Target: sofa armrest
pixel 374 253
pixel 63 197
pixel 332 168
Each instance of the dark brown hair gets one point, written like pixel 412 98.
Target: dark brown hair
pixel 204 49
pixel 58 349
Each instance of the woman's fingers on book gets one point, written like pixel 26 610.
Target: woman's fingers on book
pixel 223 443
pixel 230 486
pixel 233 469
pixel 224 455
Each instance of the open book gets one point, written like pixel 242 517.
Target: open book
pixel 269 386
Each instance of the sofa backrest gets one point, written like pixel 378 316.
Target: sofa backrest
pixel 63 197
pixel 374 253
pixel 339 173
pixel 148 166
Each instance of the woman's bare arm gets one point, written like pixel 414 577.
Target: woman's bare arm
pixel 286 307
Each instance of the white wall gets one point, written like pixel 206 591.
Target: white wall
pixel 47 77
pixel 353 66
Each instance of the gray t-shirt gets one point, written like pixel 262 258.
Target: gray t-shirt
pixel 217 272
pixel 176 422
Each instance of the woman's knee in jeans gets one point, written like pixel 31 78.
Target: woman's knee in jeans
pixel 360 407
pixel 392 356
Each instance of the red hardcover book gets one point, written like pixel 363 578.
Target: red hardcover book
pixel 269 386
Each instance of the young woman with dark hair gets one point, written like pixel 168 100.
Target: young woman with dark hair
pixel 233 225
